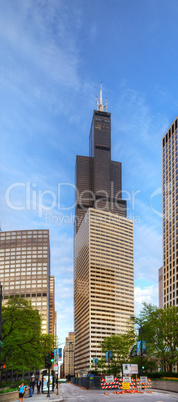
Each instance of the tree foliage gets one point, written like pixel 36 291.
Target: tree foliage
pixel 120 346
pixel 23 344
pixel 160 331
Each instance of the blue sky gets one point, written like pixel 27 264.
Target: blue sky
pixel 53 55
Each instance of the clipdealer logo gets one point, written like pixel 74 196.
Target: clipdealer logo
pixel 21 196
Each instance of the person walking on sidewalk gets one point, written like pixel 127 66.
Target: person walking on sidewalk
pixel 21 392
pixel 38 385
pixel 31 387
pixel 33 383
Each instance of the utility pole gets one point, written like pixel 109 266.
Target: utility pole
pixel 141 344
pixel 48 381
pixel 140 322
pixel 49 365
pixel 57 382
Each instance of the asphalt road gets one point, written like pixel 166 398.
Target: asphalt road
pixel 72 393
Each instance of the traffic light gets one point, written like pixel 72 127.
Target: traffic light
pixel 52 357
pixel 46 362
pixel 143 367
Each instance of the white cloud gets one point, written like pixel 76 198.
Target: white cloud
pixel 148 295
pixel 68 281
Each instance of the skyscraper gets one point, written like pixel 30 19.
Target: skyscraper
pixel 98 179
pixel 68 354
pixel 104 265
pixel 52 313
pixel 170 215
pixel 25 268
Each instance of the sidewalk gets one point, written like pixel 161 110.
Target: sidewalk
pixel 43 397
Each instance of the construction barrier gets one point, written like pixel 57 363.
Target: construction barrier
pixel 117 384
pixel 143 385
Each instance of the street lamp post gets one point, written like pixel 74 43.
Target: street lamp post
pixel 57 382
pixel 141 332
pixel 141 344
pixel 48 395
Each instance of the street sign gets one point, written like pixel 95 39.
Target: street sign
pixel 127 379
pixel 141 348
pixel 126 385
pixel 60 353
pixel 55 367
pixel 143 379
pixel 130 369
pixel 109 378
pixel 110 355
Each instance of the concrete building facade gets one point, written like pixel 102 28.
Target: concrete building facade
pixel 25 269
pixel 160 282
pixel 68 355
pixel 52 312
pixel 170 215
pixel 103 282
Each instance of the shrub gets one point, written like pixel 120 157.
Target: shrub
pixel 162 374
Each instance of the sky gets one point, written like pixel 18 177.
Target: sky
pixel 53 56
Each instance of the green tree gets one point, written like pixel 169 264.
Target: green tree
pixel 160 331
pixel 120 346
pixel 23 344
pixel 47 344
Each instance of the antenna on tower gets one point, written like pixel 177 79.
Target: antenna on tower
pixel 101 97
pixel 100 105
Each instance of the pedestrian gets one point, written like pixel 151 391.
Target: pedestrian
pixel 21 392
pixel 38 385
pixel 33 383
pixel 31 387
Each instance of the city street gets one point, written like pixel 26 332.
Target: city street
pixel 72 393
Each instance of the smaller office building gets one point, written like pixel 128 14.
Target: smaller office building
pixel 25 271
pixel 68 355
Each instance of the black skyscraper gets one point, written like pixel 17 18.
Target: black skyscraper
pixel 98 179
